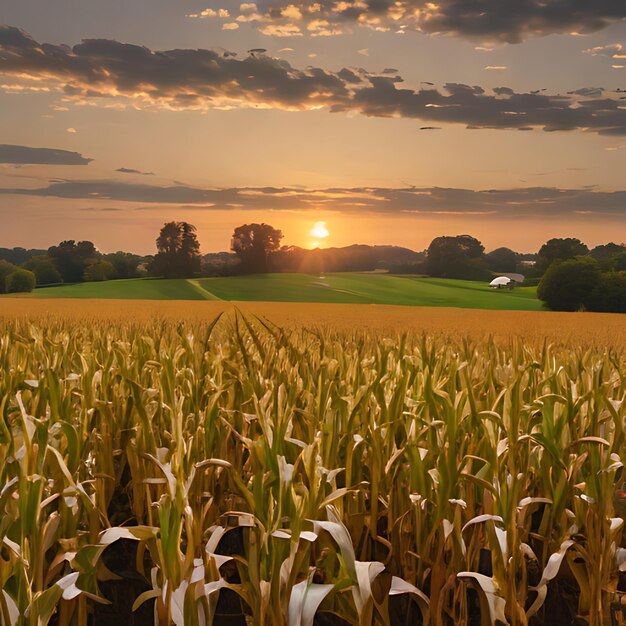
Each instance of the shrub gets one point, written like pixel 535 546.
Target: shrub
pixel 6 269
pixel 609 294
pixel 566 285
pixel 99 271
pixel 21 281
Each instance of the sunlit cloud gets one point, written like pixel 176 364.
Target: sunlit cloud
pixel 107 73
pixel 223 13
pixel 486 21
pixel 615 51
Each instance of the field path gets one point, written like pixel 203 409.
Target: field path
pixel 205 293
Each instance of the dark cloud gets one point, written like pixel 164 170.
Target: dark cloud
pixel 534 201
pixel 588 92
pixel 509 21
pixel 202 79
pixel 119 190
pixel 24 155
pixel 175 78
pixel 128 170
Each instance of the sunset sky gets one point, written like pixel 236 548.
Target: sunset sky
pixel 391 122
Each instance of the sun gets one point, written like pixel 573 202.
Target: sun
pixel 319 230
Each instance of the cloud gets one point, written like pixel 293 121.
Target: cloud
pixel 409 200
pixel 483 20
pixel 101 209
pixel 106 71
pixel 72 131
pixel 177 79
pixel 224 13
pixel 23 155
pixel 615 51
pixel 128 170
pixel 281 30
pixel 588 92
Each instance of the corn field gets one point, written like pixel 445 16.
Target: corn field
pixel 237 472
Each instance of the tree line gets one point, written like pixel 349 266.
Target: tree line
pixel 569 276
pixel 577 278
pixel 68 262
pixel 177 256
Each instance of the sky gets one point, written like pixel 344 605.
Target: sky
pixel 390 121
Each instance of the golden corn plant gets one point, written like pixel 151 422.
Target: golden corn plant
pixel 306 471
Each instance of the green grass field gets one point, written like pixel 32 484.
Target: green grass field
pixel 349 288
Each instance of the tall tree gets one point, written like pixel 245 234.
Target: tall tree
pixel 560 249
pixel 502 260
pixel 607 251
pixel 457 257
pixel 72 258
pixel 125 263
pixel 178 251
pixel 189 249
pixel 254 244
pixel 606 254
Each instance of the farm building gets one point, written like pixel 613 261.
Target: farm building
pixel 507 280
pixel 500 282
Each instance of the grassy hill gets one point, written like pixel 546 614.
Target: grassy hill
pixel 341 288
